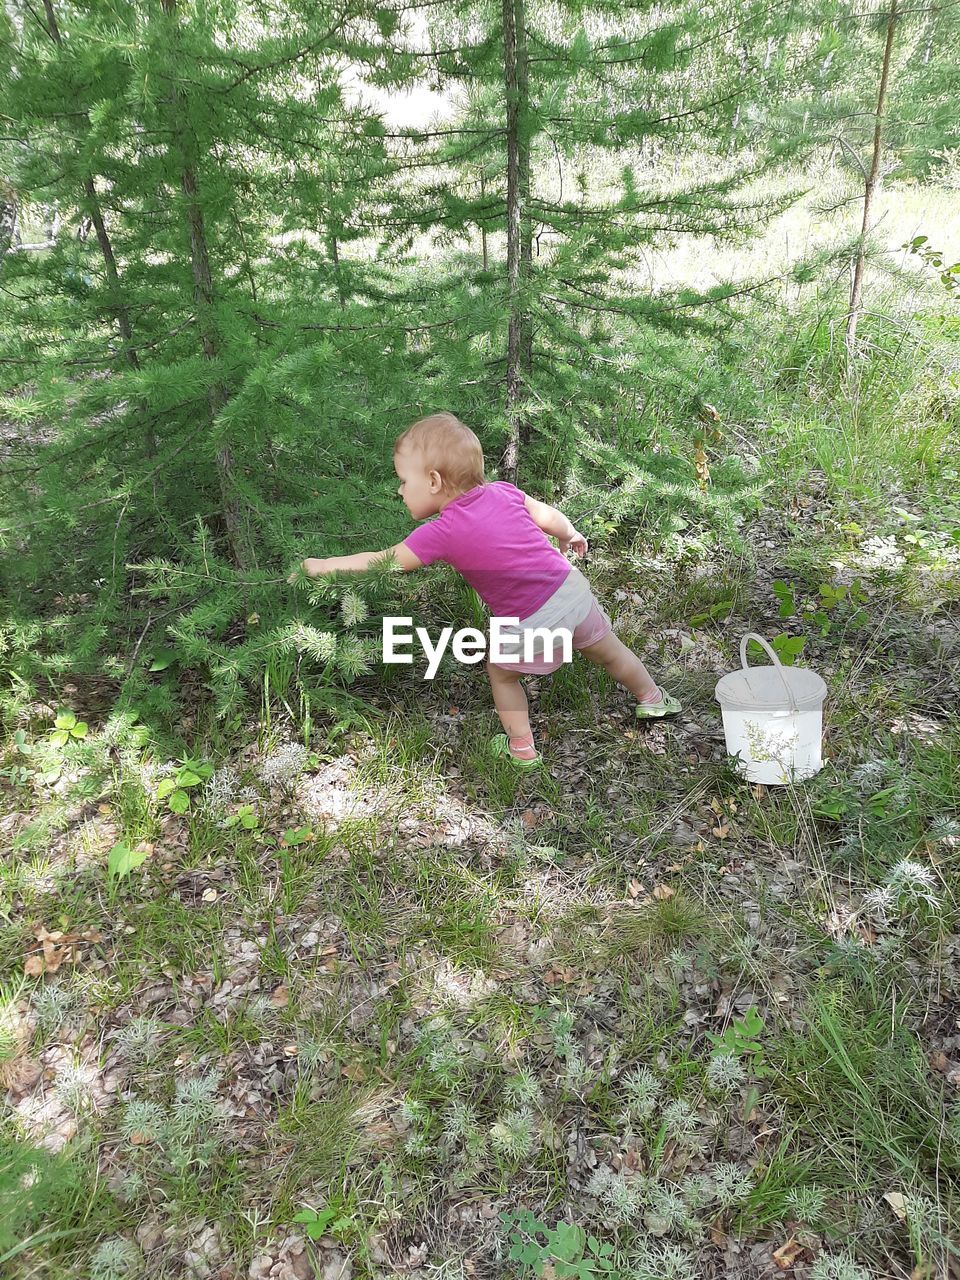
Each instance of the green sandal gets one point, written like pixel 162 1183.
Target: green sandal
pixel 655 710
pixel 499 746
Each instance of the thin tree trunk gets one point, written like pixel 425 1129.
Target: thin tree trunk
pixel 337 274
pixel 856 291
pixel 518 256
pixel 121 312
pixel 238 533
pixel 9 208
pixel 526 223
pixel 735 122
pixel 483 225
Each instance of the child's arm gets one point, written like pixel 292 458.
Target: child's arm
pixel 361 560
pixel 556 525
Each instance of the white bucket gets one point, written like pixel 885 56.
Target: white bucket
pixel 773 718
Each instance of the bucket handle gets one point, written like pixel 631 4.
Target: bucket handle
pixel 752 635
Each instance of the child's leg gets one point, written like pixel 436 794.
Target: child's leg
pixel 625 667
pixel 510 700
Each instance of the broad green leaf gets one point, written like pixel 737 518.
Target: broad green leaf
pixel 60 737
pixel 165 786
pixel 179 802
pixel 297 835
pixel 187 778
pixel 65 720
pixel 162 659
pixel 79 730
pixel 123 860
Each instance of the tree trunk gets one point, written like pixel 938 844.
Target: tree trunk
pixel 519 246
pixel 238 533
pixel 526 222
pixel 8 219
pixel 335 259
pixel 483 225
pixel 856 291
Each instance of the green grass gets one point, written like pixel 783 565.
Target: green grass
pixel 414 985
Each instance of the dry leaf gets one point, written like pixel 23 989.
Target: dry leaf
pixel 634 888
pixel 353 1071
pixel 553 976
pixel 938 1060
pixel 662 892
pixel 529 818
pixel 209 895
pixel 787 1254
pixel 722 831
pixel 290 1050
pixel 33 966
pixel 281 997
pixel 897 1202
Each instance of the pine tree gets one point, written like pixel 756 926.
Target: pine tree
pixel 173 369
pixel 591 98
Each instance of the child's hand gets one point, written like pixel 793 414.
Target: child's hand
pixel 312 568
pixel 578 542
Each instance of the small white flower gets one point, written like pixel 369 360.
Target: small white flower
pixel 283 766
pixel 626 1199
pixel 839 1267
pixel 682 1122
pixel 413 1112
pixel 908 883
pixel 524 1089
pixel 416 1143
pixel 139 1040
pixel 460 1121
pixel 807 1203
pixel 914 880
pixel 220 789
pixel 143 1118
pixel 643 1089
pixel 870 775
pixel 578 1073
pixel 353 609
pixel 513 1134
pixel 654 1261
pixel 944 829
pixel 115 1259
pixel 724 1073
pixel 599 1181
pixel 879 902
pixel 731 1184
pixel 668 1211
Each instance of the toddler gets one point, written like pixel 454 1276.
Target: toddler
pixel 496 537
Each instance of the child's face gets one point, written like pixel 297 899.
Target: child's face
pixel 419 488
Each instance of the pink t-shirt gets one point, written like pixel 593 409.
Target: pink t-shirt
pixel 489 537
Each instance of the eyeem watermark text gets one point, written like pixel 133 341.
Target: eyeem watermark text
pixel 470 644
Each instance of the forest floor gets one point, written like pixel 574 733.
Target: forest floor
pixel 359 1001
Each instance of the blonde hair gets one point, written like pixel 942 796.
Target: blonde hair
pixel 446 445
